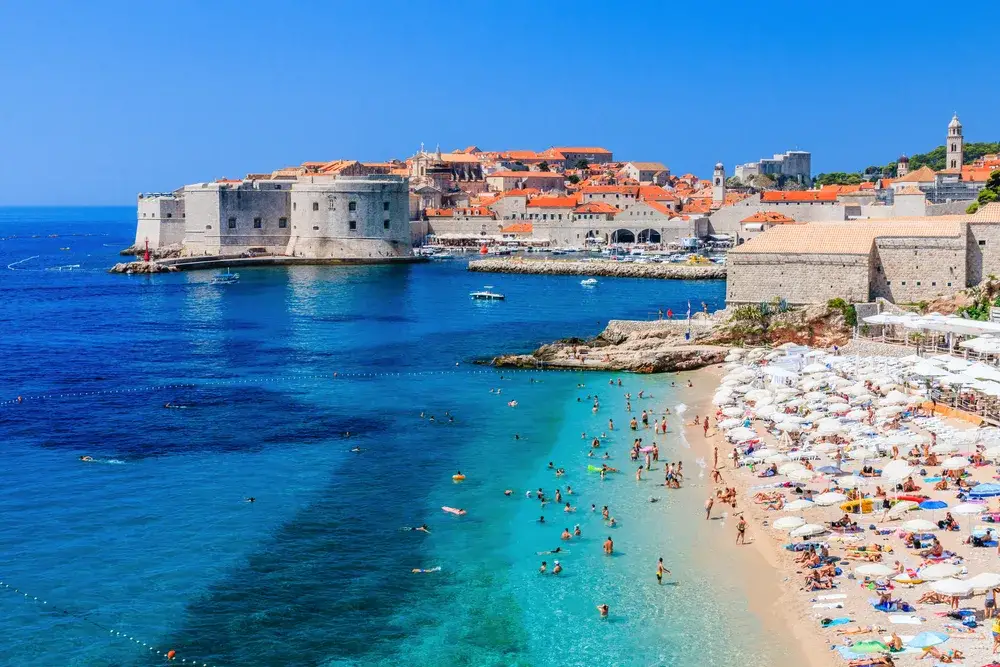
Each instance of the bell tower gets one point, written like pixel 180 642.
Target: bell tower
pixel 719 184
pixel 955 145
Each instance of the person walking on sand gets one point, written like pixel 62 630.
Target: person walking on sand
pixel 715 463
pixel 741 531
pixel 705 433
pixel 708 507
pixel 660 570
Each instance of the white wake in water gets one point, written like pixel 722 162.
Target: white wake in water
pixel 21 261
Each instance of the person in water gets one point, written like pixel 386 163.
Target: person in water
pixel 421 528
pixel 86 458
pixel 603 608
pixel 357 450
pixel 251 499
pixel 557 569
pixel 660 570
pixel 609 546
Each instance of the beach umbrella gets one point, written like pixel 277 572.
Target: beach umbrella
pixel 814 368
pixel 830 470
pixel 938 571
pixel 729 423
pixel 801 475
pixel 950 586
pixel 839 407
pixel 800 505
pixel 927 639
pixel 901 508
pixel 860 453
pixel 944 448
pixel 829 498
pixel 763 453
pixel 895 398
pixel 985 490
pixel 788 522
pixel 857 415
pixel 733 412
pixel 889 410
pixel 920 526
pixel 808 530
pixel 968 508
pixel 984 581
pixel 992 452
pixel 741 433
pixel 777 458
pixel 933 505
pixel 786 468
pixel 955 463
pixel 852 482
pixel 764 411
pixel 803 454
pixel 875 570
pixel 896 470
pixel 788 426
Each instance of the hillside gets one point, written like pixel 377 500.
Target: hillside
pixel 934 159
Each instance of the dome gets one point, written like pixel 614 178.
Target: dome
pixel 954 122
pixel 903 159
pixel 718 165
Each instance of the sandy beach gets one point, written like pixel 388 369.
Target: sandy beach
pixel 775 581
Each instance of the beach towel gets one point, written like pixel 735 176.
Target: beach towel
pixel 828 605
pixel 834 596
pixel 831 622
pixel 905 619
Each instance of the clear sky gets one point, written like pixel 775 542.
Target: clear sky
pixel 101 100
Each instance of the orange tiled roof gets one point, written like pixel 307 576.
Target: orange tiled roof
pixel 923 175
pixel 527 174
pixel 648 166
pixel 521 192
pixel 553 202
pixel 229 180
pixel 595 207
pixel 469 211
pixel 657 206
pixel 520 155
pixel 977 174
pixel 798 196
pixel 612 189
pixel 518 228
pixel 768 216
pixel 698 206
pixel 655 193
pixel 579 149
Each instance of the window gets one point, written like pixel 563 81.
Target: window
pixel 904 282
pixel 385 206
pixel 888 282
pixel 918 283
pixel 170 215
pixel 232 223
pixel 933 283
pixel 278 186
pixel 352 206
pixel 983 242
pixel 294 206
pixel 315 205
pixel 385 224
pixel 282 223
pixel 208 226
pixel 949 284
pixel 315 228
pixel 353 224
pixel 258 223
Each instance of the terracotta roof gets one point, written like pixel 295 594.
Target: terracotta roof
pixel 657 206
pixel 579 149
pixel 553 202
pixel 977 174
pixel 840 238
pixel 768 216
pixel 229 180
pixel 923 175
pixel 655 193
pixel 612 189
pixel 459 157
pixel 648 166
pixel 520 155
pixel 798 196
pixel 517 228
pixel 988 213
pixel 909 190
pixel 521 192
pixel 527 174
pixel 887 182
pixel 595 207
pixel 468 211
pixel 698 206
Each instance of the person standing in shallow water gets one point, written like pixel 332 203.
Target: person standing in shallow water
pixel 741 531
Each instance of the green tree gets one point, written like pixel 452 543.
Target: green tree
pixel 544 166
pixel 989 194
pixel 573 178
pixel 582 164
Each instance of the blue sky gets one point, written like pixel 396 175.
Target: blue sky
pixel 101 100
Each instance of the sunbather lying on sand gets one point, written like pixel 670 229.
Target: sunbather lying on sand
pixel 860 630
pixel 931 597
pixel 873 661
pixel 951 656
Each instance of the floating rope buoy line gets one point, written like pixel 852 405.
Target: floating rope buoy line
pixel 283 378
pixel 169 654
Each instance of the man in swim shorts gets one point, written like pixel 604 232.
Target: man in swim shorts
pixel 660 570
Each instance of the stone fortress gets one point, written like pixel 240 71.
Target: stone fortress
pixel 308 215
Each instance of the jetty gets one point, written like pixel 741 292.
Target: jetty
pixel 599 267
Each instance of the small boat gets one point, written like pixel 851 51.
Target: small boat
pixel 589 282
pixel 486 295
pixel 226 278
pixel 440 255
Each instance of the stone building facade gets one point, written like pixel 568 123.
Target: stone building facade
pixel 363 217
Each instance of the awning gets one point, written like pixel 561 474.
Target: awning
pixel 753 227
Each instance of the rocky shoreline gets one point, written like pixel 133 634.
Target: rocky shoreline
pixel 639 347
pixel 140 267
pixel 600 267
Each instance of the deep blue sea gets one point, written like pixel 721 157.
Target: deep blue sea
pixel 152 547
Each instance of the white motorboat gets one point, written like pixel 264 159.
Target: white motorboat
pixel 486 295
pixel 589 282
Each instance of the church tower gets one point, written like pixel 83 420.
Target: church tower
pixel 955 145
pixel 719 185
pixel 902 166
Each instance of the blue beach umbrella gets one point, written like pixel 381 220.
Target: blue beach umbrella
pixel 927 639
pixel 933 505
pixel 830 470
pixel 986 490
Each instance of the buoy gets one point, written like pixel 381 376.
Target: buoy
pixel 170 654
pixel 458 478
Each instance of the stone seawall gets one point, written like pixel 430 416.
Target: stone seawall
pixel 607 268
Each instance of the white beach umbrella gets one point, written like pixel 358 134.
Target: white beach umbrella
pixel 777 458
pixel 741 433
pixel 814 396
pixel 955 463
pixel 788 426
pixel 860 453
pixel 786 468
pixel 763 453
pixel 808 530
pixel 895 398
pixel 901 508
pixel 733 412
pixel 992 452
pixel 984 581
pixel 889 411
pixel 874 570
pixel 788 523
pixel 920 526
pixel 839 407
pixel 742 388
pixel 896 470
pixel 938 571
pixel 830 426
pixel 852 482
pixel 861 398
pixel 951 587
pixel 814 368
pixel 803 475
pixel 722 399
pixel 857 415
pixel 729 423
pixel 800 505
pixel 968 509
pixel 944 448
pixel 764 411
pixel 829 498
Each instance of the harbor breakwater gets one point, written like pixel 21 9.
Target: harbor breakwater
pixel 599 267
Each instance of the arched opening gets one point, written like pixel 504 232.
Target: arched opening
pixel 649 236
pixel 622 236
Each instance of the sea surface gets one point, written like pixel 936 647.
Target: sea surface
pixel 152 547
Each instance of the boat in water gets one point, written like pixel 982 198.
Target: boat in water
pixel 226 278
pixel 486 295
pixel 589 282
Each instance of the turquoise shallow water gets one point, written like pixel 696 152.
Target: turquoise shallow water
pixel 154 541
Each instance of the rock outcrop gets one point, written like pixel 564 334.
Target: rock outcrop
pixel 166 252
pixel 599 267
pixel 140 267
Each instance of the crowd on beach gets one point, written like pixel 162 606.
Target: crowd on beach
pixel 880 509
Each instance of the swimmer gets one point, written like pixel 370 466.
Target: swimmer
pixel 541 519
pixel 421 415
pixel 86 458
pixel 557 550
pixel 612 523
pixel 20 399
pixel 251 499
pixel 603 609
pixel 422 528
pixel 653 500
pixel 418 570
pixel 569 490
pixel 576 531
pixel 568 508
pixel 508 492
pixel 517 436
pixel 609 546
pixel 660 570
pixel 357 450
pixel 543 568
pixel 557 569
pixel 566 535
